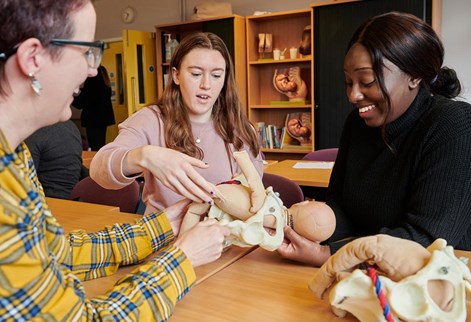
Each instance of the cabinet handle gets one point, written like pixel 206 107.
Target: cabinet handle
pixel 134 94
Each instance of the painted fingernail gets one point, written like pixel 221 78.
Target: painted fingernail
pixel 211 202
pixel 212 192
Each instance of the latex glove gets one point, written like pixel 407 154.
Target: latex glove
pixel 174 169
pixel 203 243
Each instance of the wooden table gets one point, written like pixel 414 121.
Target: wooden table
pixel 87 157
pixel 92 217
pixel 303 177
pixel 261 286
pixel 233 254
pixel 62 205
pixel 245 284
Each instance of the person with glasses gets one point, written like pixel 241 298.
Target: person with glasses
pixel 45 55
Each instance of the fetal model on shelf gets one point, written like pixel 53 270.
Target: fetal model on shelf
pixel 289 82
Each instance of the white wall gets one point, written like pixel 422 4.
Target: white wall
pixel 456 23
pixel 456 31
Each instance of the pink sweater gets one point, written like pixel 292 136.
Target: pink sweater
pixel 146 128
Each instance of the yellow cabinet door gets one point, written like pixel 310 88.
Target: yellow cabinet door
pixel 113 62
pixel 130 62
pixel 139 69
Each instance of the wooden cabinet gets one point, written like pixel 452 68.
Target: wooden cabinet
pixel 230 28
pixel 265 103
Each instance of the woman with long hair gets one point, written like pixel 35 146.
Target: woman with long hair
pixel 198 122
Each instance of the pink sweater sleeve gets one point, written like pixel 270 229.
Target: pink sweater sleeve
pixel 142 128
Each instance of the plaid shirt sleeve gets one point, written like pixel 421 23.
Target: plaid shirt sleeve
pixel 100 254
pixel 38 263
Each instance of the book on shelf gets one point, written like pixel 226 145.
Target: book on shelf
pixel 297 132
pixel 269 135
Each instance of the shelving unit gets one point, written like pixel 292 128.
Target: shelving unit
pixel 230 28
pixel 287 30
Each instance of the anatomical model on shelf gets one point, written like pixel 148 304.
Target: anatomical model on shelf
pixel 289 82
pixel 299 127
pixel 403 281
pixel 249 209
pixel 305 47
pixel 265 44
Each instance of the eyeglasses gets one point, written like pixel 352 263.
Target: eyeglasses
pixel 8 53
pixel 93 54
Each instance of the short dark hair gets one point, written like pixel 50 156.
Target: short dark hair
pixel 41 19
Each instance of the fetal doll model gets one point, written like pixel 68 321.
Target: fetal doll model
pixel 249 208
pixel 298 127
pixel 290 83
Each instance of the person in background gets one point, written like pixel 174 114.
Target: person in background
pixel 403 162
pixel 41 268
pixel 57 154
pixel 198 119
pixel 97 110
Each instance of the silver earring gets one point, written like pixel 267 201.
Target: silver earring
pixel 35 84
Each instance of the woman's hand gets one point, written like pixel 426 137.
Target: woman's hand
pixel 177 209
pixel 174 169
pixel 298 248
pixel 204 242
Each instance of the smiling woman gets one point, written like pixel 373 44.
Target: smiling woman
pixel 44 58
pixel 402 167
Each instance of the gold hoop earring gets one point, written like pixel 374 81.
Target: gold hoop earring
pixel 35 84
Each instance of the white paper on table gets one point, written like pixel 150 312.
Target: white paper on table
pixel 314 165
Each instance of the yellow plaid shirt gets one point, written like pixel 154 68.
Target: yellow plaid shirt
pixel 41 268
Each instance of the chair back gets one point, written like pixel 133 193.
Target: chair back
pixel 322 155
pixel 126 199
pixel 290 192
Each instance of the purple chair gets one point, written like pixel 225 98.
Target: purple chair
pixel 322 155
pixel 290 192
pixel 126 199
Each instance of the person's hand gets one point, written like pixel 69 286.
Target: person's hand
pixel 204 242
pixel 175 170
pixel 298 248
pixel 177 209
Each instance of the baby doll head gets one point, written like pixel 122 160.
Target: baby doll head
pixel 313 220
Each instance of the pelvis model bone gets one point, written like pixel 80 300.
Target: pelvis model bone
pixel 410 299
pixel 251 232
pixel 249 208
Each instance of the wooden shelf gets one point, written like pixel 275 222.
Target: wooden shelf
pixel 287 31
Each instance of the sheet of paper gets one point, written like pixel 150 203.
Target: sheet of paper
pixel 314 165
